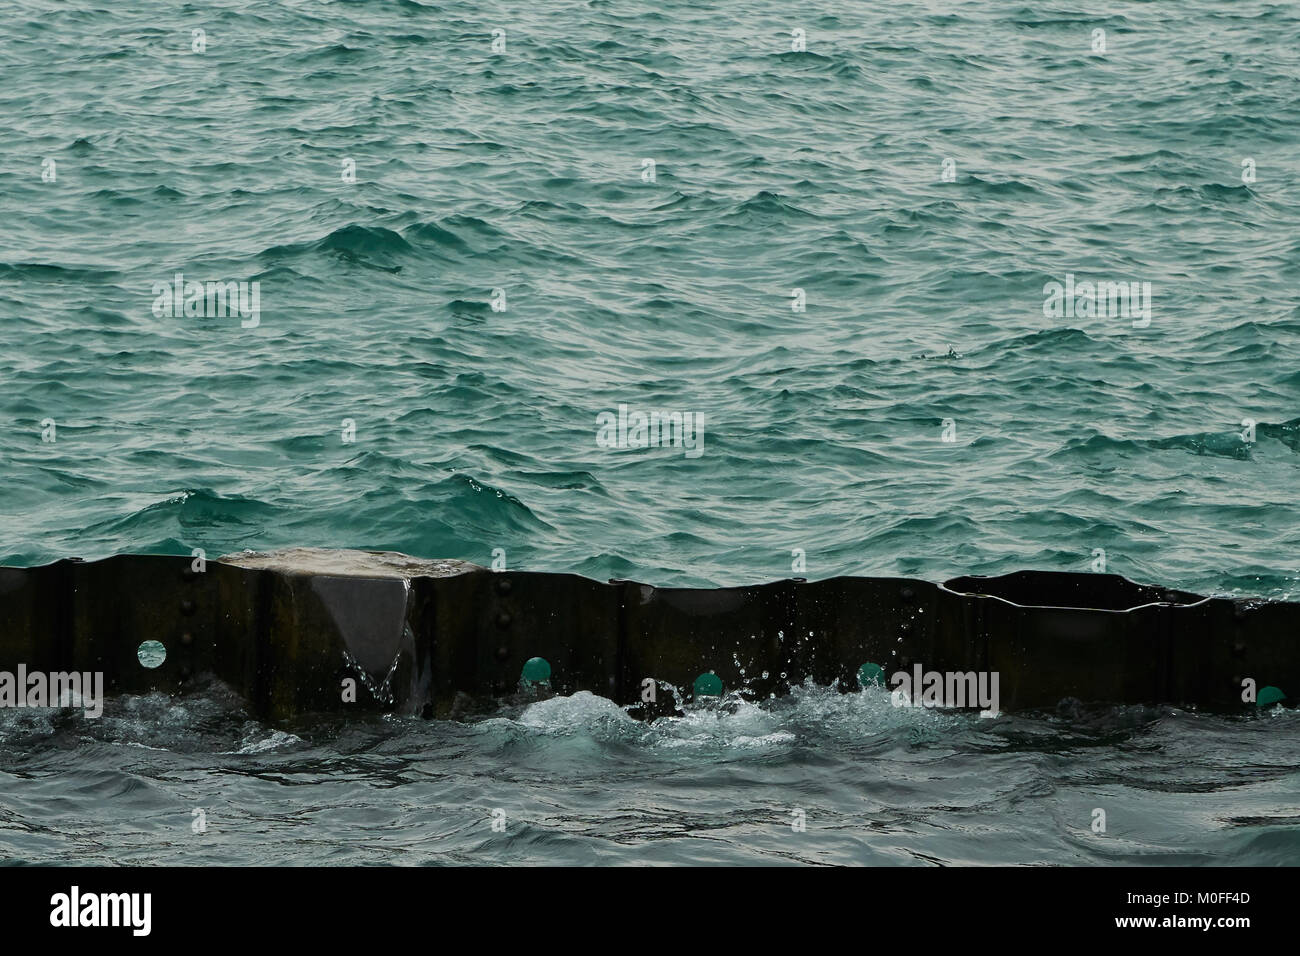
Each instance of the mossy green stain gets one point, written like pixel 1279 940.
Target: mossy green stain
pixel 869 674
pixel 708 684
pixel 1269 695
pixel 537 670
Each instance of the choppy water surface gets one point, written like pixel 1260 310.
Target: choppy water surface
pixel 775 170
pixel 576 781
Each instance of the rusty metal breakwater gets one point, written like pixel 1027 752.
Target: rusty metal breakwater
pixel 288 630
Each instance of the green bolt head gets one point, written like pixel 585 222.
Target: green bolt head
pixel 869 674
pixel 537 670
pixel 1269 695
pixel 708 684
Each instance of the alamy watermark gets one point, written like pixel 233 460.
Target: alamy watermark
pixel 191 299
pixel 655 429
pixel 58 689
pixel 75 908
pixel 1103 300
pixel 957 689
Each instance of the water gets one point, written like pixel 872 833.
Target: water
pixel 576 781
pixel 475 429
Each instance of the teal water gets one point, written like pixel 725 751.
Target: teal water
pixel 577 782
pixel 476 429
